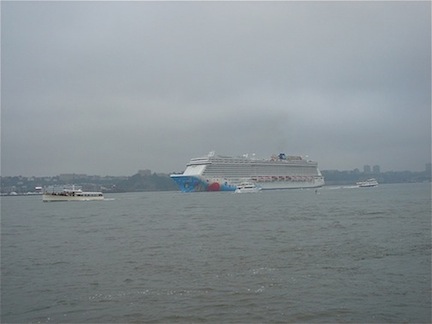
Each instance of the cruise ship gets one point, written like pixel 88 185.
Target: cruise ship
pixel 224 173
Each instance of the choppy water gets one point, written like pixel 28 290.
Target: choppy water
pixel 342 255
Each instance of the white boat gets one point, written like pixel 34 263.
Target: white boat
pixel 246 187
pixel 224 173
pixel 368 183
pixel 72 194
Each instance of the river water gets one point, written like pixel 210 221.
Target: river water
pixel 341 254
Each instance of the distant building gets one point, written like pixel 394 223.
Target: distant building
pixel 376 169
pixel 367 169
pixel 144 172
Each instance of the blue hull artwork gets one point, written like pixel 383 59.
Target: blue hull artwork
pixel 197 184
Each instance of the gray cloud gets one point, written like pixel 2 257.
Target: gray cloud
pixel 113 87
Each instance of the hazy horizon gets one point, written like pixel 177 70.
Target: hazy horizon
pixel 184 167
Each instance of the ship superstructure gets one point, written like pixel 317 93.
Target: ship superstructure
pixel 224 173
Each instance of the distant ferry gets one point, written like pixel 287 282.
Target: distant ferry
pixel 224 173
pixel 368 183
pixel 72 194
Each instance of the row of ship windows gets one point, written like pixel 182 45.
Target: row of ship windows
pixel 265 163
pixel 227 171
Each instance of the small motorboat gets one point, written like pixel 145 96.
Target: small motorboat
pixel 245 187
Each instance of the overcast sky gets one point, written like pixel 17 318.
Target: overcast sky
pixel 108 88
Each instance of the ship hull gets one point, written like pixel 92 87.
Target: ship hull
pixel 291 185
pixel 202 184
pixel 54 198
